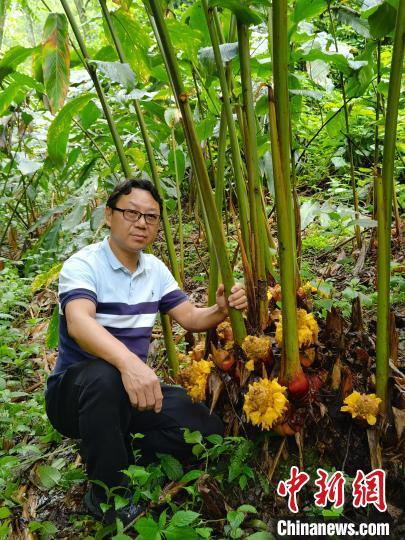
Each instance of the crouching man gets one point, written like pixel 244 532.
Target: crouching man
pixel 101 390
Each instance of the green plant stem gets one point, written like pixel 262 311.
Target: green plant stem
pixel 233 138
pixel 280 145
pixel 260 244
pixel 194 146
pixel 291 366
pixel 349 142
pixel 384 205
pixel 92 72
pixel 179 208
pixel 179 277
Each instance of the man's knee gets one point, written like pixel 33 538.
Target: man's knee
pixel 99 378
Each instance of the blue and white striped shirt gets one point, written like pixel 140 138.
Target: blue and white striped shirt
pixel 126 303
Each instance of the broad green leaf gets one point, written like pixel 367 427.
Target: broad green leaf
pixel 242 12
pixel 56 59
pixel 205 128
pixel 248 508
pixel 206 55
pixel 118 73
pixel 137 155
pixel 304 9
pixel 48 476
pixel 17 89
pixel 14 57
pixel 52 333
pixel 338 60
pixel 182 518
pixel 26 165
pixel 58 132
pixel 235 518
pixel 180 533
pixel 46 278
pixel 191 475
pixel 4 512
pixel 352 19
pixel 382 20
pixel 73 219
pixel 184 38
pixel 171 466
pixel 89 114
pixel 192 437
pixel 135 41
pixel 148 528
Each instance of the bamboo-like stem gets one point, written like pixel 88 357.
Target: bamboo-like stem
pixel 233 138
pixel 291 367
pixel 384 205
pixel 92 72
pixel 349 140
pixel 179 208
pixel 194 146
pixel 213 281
pixel 254 187
pixel 282 110
pixel 165 319
pixel 279 132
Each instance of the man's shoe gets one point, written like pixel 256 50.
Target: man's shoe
pixel 127 514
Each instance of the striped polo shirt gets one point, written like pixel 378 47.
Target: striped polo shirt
pixel 126 303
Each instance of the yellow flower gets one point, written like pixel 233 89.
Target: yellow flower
pixel 265 403
pixel 257 348
pixel 194 379
pixel 224 331
pixel 307 329
pixel 362 406
pixel 309 288
pixel 250 365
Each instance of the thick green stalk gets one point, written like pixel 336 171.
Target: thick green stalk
pixel 384 205
pixel 165 319
pixel 194 146
pixel 280 131
pixel 213 281
pixel 179 208
pixel 233 138
pixel 254 187
pixel 292 365
pixel 107 111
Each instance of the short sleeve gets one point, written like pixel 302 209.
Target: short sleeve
pixel 76 280
pixel 171 295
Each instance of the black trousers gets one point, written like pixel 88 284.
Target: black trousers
pixel 89 402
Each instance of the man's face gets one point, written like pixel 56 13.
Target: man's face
pixel 133 236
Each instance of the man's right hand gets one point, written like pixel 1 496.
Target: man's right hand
pixel 142 385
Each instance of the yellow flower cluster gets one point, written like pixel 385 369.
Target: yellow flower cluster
pixel 194 378
pixel 257 348
pixel 307 329
pixel 265 403
pixel 362 406
pixel 309 288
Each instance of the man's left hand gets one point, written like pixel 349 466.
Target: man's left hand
pixel 237 299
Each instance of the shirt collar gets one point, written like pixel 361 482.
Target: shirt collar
pixel 116 264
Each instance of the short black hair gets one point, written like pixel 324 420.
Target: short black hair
pixel 125 188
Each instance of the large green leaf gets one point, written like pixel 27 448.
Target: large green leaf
pixel 17 89
pixel 304 9
pixel 13 58
pixel 206 55
pixel 58 132
pixel 117 72
pixel 351 18
pixel 135 41
pixel 241 10
pixel 52 334
pixel 56 59
pixel 382 20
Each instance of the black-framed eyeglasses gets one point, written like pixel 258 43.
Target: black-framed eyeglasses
pixel 134 215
